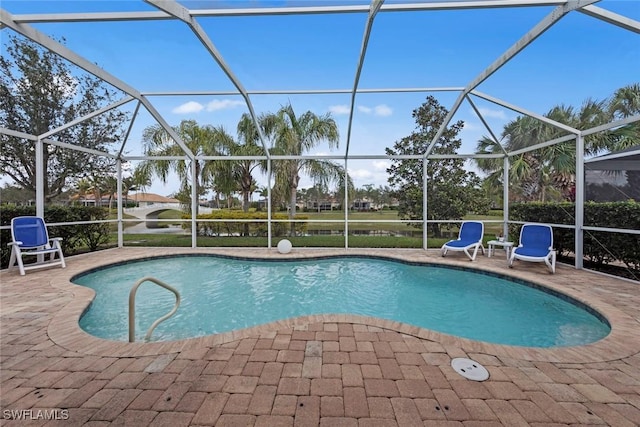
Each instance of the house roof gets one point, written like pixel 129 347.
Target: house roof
pixel 151 198
pixel 138 197
pixel 623 160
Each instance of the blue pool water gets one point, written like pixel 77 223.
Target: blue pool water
pixel 224 294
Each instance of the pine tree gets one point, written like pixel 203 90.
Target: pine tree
pixel 452 191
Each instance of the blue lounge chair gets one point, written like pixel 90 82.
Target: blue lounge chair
pixel 536 245
pixel 30 237
pixel 470 236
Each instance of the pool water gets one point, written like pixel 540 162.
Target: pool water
pixel 224 294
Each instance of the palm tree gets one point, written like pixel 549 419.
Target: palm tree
pixel 140 180
pixel 536 174
pixel 110 186
pixel 96 184
pixel 626 103
pixel 128 185
pixel 201 140
pixel 297 135
pixel 83 186
pixel 263 193
pixel 319 192
pixel 242 170
pixel 531 172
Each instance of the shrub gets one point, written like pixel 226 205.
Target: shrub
pixel 245 224
pixel 73 236
pixel 600 247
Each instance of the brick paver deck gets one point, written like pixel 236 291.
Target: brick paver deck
pixel 338 370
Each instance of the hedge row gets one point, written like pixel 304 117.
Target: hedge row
pixel 600 247
pixel 254 224
pixel 89 236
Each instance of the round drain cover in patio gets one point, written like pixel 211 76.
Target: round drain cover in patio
pixel 470 369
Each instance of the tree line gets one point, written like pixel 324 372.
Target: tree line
pixel 548 173
pixel 39 92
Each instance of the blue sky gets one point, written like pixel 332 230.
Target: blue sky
pixel 580 57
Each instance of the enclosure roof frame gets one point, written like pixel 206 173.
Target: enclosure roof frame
pixel 173 10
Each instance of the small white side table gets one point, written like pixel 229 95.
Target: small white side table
pixel 505 245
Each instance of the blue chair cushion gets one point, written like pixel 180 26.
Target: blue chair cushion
pixel 532 252
pixel 461 243
pixel 30 230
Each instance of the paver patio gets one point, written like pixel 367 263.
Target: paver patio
pixel 338 370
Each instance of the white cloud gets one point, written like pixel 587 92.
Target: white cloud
pixel 215 105
pixel 364 172
pixel 360 174
pixel 339 109
pixel 383 110
pixel 472 126
pixel 223 104
pixel 381 165
pixel 189 107
pixel 496 114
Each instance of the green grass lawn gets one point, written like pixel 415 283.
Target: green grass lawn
pixel 413 239
pixel 337 241
pixel 491 229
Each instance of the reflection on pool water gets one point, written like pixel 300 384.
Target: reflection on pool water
pixel 223 294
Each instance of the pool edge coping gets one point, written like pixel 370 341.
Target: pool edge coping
pixel 621 342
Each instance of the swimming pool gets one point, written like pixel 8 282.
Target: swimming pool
pixel 221 294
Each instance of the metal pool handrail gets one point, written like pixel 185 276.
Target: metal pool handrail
pixel 132 307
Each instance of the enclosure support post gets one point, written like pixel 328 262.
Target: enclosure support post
pixel 346 205
pixel 579 202
pixel 424 204
pixel 194 204
pixel 119 199
pixel 269 203
pixel 505 199
pixel 40 171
